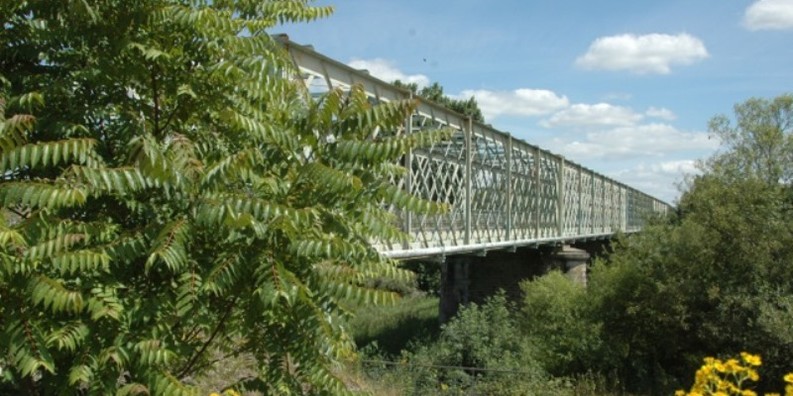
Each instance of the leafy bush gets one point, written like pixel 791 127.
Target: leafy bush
pixel 556 317
pixel 428 276
pixel 480 351
pixel 714 281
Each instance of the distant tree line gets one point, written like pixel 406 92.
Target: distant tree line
pixel 434 93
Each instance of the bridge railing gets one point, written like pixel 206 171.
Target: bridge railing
pixel 502 192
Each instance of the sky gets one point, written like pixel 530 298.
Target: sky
pixel 625 88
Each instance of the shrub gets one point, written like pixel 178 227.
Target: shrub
pixel 556 318
pixel 478 351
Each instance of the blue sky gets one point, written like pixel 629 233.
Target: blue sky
pixel 624 88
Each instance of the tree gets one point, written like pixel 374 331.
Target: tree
pixel 713 280
pixel 168 189
pixel 434 93
pixel 717 280
pixel 760 144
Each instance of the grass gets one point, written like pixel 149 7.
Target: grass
pixel 393 327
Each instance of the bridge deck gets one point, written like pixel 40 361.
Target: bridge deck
pixel 502 191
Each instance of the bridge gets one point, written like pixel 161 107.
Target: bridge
pixel 503 192
pixel 516 210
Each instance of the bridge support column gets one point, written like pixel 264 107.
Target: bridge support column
pixel 455 278
pixel 574 262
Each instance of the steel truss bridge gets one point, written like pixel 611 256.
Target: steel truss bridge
pixel 502 192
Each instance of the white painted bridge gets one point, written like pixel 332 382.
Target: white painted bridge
pixel 503 192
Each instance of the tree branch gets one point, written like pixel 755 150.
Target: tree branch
pixel 170 117
pixel 234 353
pixel 156 98
pixel 20 214
pixel 194 359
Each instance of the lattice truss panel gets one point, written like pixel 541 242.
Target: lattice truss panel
pixel 585 220
pixel 524 202
pixel 499 190
pixel 549 195
pixel 612 207
pixel 571 218
pixel 438 173
pixel 597 205
pixel 638 208
pixel 489 187
pixel 593 205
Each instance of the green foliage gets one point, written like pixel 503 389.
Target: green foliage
pixel 712 281
pixel 716 280
pixel 172 190
pixel 698 286
pixel 555 318
pixel 479 337
pixel 428 276
pixel 760 144
pixel 487 349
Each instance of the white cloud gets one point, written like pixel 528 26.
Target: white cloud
pixel 679 167
pixel 600 114
pixel 658 179
pixel 662 113
pixel 388 72
pixel 653 156
pixel 652 53
pixel 520 102
pixel 769 15
pixel 639 141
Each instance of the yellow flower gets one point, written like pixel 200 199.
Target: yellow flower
pixel 732 366
pixel 789 378
pixel 747 392
pixel 753 360
pixel 227 392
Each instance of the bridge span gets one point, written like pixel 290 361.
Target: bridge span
pixel 504 193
